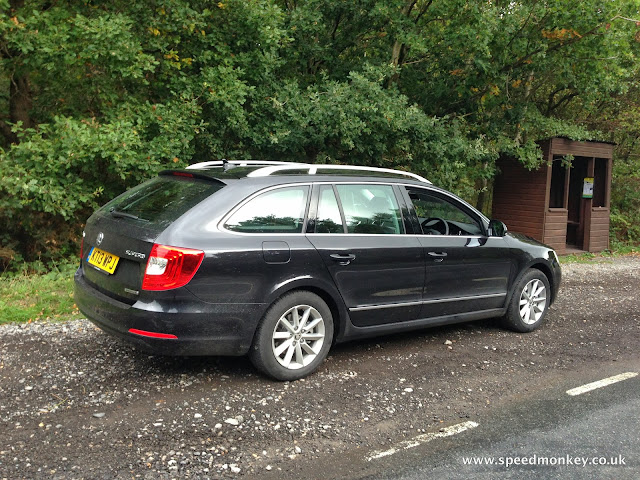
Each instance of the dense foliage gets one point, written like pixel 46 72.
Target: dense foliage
pixel 99 95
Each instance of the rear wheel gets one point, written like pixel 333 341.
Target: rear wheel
pixel 293 337
pixel 529 303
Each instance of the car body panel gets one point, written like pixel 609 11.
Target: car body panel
pixel 473 276
pixel 200 328
pixel 127 239
pixel 384 281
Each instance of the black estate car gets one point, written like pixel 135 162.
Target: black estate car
pixel 281 260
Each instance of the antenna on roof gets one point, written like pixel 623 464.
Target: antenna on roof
pixel 226 165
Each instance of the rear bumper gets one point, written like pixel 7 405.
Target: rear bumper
pixel 201 328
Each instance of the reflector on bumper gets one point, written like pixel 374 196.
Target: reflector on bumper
pixel 152 334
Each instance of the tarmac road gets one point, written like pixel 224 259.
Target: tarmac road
pixel 546 435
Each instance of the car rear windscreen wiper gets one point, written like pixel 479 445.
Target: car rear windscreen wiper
pixel 118 214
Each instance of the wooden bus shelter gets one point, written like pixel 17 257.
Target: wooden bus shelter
pixel 566 207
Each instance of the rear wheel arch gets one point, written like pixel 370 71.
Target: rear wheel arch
pixel 333 306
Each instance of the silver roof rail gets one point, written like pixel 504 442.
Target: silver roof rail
pixel 237 163
pixel 312 169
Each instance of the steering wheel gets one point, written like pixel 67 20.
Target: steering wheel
pixel 435 226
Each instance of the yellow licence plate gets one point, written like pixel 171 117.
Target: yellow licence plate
pixel 103 260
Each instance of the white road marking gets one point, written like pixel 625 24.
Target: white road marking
pixel 424 438
pixel 601 383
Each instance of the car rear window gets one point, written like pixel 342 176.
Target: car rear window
pixel 277 211
pixel 162 199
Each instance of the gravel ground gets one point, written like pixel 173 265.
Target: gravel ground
pixel 75 403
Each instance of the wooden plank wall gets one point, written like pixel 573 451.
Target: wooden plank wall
pixel 598 238
pixel 519 197
pixel 564 146
pixel 555 232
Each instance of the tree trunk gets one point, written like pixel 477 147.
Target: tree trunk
pixel 20 101
pixel 399 49
pixel 397 58
pixel 19 106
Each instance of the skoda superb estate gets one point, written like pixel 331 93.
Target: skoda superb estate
pixel 280 261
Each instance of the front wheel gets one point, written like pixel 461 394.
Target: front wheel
pixel 529 303
pixel 293 337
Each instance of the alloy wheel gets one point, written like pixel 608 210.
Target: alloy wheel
pixel 533 301
pixel 298 337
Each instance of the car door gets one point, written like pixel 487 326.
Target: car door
pixel 465 269
pixel 359 231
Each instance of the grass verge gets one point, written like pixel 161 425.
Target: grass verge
pixel 26 297
pixel 586 257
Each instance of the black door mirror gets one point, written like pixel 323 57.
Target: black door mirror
pixel 497 228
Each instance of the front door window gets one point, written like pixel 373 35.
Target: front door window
pixel 440 217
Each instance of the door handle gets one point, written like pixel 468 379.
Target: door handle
pixel 437 256
pixel 343 258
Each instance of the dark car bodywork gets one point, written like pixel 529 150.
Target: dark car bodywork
pixel 373 284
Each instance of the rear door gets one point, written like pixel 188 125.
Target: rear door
pixel 465 270
pixel 359 231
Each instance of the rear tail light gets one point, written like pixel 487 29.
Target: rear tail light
pixel 82 246
pixel 170 267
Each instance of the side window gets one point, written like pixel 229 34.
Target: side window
pixel 370 209
pixel 276 211
pixel 439 216
pixel 328 219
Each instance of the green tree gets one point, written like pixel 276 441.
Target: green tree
pixel 99 95
pixel 110 92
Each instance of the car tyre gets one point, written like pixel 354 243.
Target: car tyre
pixel 294 336
pixel 529 303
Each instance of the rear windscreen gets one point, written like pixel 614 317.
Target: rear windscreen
pixel 162 199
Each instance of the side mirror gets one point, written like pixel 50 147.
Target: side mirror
pixel 497 228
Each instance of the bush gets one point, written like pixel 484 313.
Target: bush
pixel 625 202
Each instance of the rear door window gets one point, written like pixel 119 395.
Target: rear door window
pixel 328 218
pixel 370 209
pixel 277 211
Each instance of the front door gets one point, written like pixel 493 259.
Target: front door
pixel 465 270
